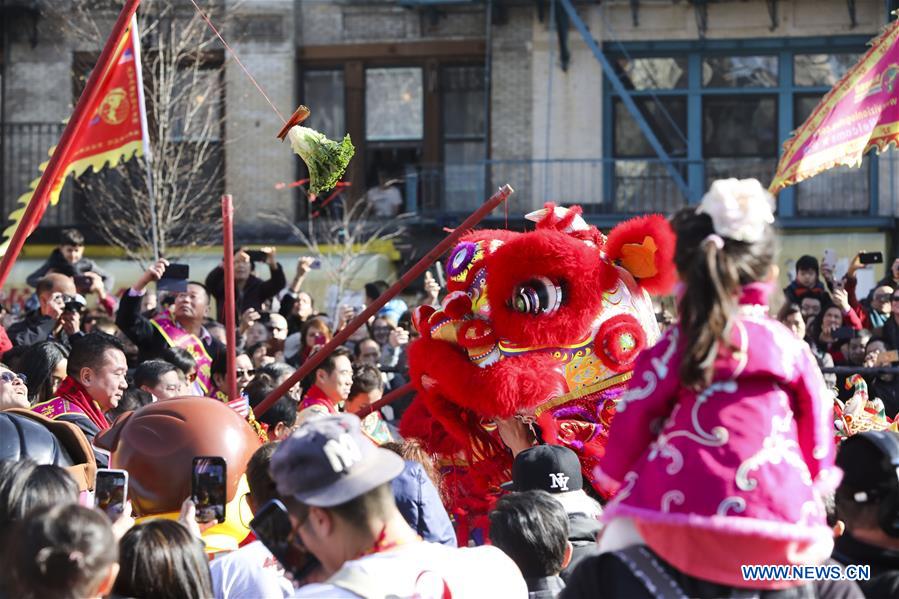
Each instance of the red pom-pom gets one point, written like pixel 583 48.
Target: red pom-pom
pixel 619 340
pixel 635 231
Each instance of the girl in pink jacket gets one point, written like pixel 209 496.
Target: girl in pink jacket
pixel 723 444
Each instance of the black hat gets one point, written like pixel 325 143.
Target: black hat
pixel 550 468
pixel 867 467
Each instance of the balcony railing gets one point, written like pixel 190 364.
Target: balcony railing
pixel 600 186
pixel 614 186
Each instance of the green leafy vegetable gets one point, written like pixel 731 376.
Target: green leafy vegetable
pixel 326 159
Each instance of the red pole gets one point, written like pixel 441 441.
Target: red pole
pixel 386 400
pixel 230 317
pixel 89 97
pixel 422 265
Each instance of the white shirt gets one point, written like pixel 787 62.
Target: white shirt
pixel 251 572
pixel 421 569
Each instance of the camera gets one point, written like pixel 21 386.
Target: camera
pixel 74 303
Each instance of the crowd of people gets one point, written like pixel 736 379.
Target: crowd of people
pixel 367 509
pixel 848 333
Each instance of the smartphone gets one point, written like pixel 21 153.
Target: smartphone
pixel 265 317
pixel 257 255
pixel 174 278
pixel 830 259
pixel 209 488
pixel 272 526
pixel 111 491
pixel 871 257
pixel 316 264
pixel 320 339
pixel 887 357
pixel 82 283
pixel 844 333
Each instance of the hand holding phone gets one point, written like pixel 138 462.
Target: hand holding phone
pixel 870 257
pixel 174 278
pixel 272 526
pixel 209 488
pixel 111 492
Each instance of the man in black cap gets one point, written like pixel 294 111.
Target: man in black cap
pixel 557 470
pixel 867 501
pixel 335 484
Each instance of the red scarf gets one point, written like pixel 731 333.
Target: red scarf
pixel 74 392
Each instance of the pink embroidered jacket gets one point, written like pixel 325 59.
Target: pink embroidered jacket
pixel 748 454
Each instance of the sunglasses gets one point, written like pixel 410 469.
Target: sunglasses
pixel 895 298
pixel 242 373
pixel 8 377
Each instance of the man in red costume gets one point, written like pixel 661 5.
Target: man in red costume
pixel 94 385
pixel 333 381
pixel 534 342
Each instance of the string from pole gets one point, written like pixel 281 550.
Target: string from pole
pixel 238 61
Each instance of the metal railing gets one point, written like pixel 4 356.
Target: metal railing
pixel 25 147
pixel 623 186
pixel 600 186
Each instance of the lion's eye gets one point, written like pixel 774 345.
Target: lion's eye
pixel 537 296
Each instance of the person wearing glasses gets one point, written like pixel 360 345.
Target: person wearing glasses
pixel 13 389
pixel 245 374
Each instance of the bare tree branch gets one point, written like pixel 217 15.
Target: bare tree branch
pixel 354 235
pixel 183 84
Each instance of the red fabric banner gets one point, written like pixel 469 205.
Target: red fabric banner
pixel 114 129
pixel 859 113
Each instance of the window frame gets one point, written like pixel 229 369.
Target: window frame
pixel 786 90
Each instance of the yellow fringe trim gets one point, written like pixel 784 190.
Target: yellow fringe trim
pixel 111 158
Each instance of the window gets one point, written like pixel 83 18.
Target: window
pixel 739 137
pixel 464 135
pixel 324 90
pixel 810 70
pixel 666 116
pixel 394 104
pixel 196 105
pixel 653 73
pixel 739 71
pixel 839 190
pixel 732 108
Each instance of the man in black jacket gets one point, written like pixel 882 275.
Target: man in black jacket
pixel 867 501
pixel 51 321
pixel 251 291
pixel 557 470
pixel 188 313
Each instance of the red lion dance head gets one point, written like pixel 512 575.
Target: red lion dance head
pixel 543 326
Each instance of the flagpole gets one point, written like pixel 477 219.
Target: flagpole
pixel 230 309
pixel 37 204
pixel 422 265
pixel 145 138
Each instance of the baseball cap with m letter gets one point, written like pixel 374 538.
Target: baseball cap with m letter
pixel 328 461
